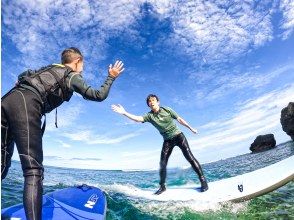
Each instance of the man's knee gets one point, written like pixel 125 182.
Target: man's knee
pixel 34 177
pixel 30 166
pixel 34 172
pixel 190 158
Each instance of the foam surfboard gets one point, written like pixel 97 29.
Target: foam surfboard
pixel 81 202
pixel 234 189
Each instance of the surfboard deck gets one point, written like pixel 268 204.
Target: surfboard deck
pixel 234 189
pixel 81 202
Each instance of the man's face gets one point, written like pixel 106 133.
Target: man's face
pixel 153 103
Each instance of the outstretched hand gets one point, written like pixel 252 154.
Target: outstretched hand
pixel 194 131
pixel 116 69
pixel 118 108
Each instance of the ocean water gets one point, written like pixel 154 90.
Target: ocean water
pixel 278 204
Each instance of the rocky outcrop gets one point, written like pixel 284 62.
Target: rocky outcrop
pixel 287 119
pixel 263 143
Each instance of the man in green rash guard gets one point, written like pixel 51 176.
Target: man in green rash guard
pixel 162 118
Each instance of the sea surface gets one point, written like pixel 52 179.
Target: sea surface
pixel 278 204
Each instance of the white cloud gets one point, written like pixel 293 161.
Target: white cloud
pixel 63 144
pixel 41 29
pixel 137 154
pixel 66 116
pixel 255 117
pixel 287 8
pixel 215 31
pixel 115 15
pixel 86 159
pixel 88 137
pixel 227 83
pixel 52 157
pixel 211 31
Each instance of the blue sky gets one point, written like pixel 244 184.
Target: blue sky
pixel 226 67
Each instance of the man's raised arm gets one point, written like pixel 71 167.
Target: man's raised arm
pixel 120 110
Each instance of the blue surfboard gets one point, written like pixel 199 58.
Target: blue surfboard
pixel 79 203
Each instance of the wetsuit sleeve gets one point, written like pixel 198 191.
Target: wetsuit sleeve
pixel 78 84
pixel 172 113
pixel 146 117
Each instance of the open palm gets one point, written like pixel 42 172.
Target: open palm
pixel 118 108
pixel 116 69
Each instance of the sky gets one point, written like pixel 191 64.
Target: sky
pixel 226 67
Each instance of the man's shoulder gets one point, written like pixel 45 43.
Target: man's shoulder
pixel 170 111
pixel 61 67
pixel 75 74
pixel 166 108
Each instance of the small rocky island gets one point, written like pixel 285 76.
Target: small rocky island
pixel 267 142
pixel 287 119
pixel 263 143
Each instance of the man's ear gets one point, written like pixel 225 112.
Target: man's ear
pixel 76 60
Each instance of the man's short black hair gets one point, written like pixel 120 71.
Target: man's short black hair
pixel 70 54
pixel 151 96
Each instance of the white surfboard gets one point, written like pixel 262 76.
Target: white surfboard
pixel 234 189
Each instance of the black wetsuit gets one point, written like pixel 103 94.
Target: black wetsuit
pixel 22 110
pixel 167 148
pixel 163 120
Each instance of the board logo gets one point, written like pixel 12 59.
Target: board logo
pixel 91 201
pixel 240 187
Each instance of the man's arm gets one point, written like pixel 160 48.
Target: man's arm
pixel 183 122
pixel 120 110
pixel 77 84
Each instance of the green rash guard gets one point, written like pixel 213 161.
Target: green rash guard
pixel 164 122
pixel 75 82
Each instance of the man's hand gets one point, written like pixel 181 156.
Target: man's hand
pixel 194 130
pixel 116 69
pixel 118 108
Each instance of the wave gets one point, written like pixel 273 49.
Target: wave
pixel 142 200
pixel 139 170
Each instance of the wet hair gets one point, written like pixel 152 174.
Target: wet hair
pixel 70 54
pixel 151 96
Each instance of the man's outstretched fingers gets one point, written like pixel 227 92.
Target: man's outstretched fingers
pixel 120 64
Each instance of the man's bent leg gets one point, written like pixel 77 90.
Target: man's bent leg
pixel 184 146
pixel 27 134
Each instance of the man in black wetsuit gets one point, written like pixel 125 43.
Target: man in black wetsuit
pixel 36 93
pixel 162 118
